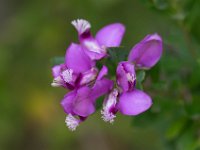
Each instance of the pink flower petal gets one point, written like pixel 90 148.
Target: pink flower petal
pixel 134 102
pixel 67 102
pixel 83 105
pixel 147 52
pixel 77 60
pixel 126 77
pixel 101 87
pixel 102 72
pixel 111 35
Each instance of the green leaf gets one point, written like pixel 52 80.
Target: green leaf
pixel 99 103
pixel 193 108
pixel 139 86
pixel 57 60
pixel 176 128
pixel 187 141
pixel 140 76
pixel 161 4
pixel 117 54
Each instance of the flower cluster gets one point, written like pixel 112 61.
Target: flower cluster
pixel 86 83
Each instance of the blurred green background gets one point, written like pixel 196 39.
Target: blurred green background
pixel 33 32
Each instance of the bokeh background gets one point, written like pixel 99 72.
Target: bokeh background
pixel 33 32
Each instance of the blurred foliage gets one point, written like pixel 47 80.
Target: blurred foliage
pixel 176 78
pixel 33 32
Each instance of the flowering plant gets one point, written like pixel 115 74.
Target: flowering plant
pixel 86 82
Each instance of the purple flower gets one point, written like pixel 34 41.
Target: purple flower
pixel 63 77
pixel 131 101
pixel 109 36
pixel 126 99
pixel 78 69
pixel 80 103
pixel 146 53
pixel 86 83
pixel 77 103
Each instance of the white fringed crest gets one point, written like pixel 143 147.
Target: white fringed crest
pixel 71 122
pixel 81 25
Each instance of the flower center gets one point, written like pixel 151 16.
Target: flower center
pixel 131 77
pixel 89 76
pixel 67 75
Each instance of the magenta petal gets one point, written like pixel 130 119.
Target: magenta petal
pixel 67 102
pixel 88 76
pixel 134 102
pixel 93 49
pixel 126 77
pixel 102 72
pixel 83 105
pixel 56 70
pixel 101 87
pixel 148 52
pixel 77 60
pixel 111 35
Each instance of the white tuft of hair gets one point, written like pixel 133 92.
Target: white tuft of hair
pixel 81 25
pixel 71 122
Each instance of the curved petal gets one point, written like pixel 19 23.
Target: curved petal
pixel 148 52
pixel 102 72
pixel 77 60
pixel 67 102
pixel 93 49
pixel 101 87
pixel 126 77
pixel 111 35
pixel 83 105
pixel 57 69
pixel 121 78
pixel 134 102
pixel 88 76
